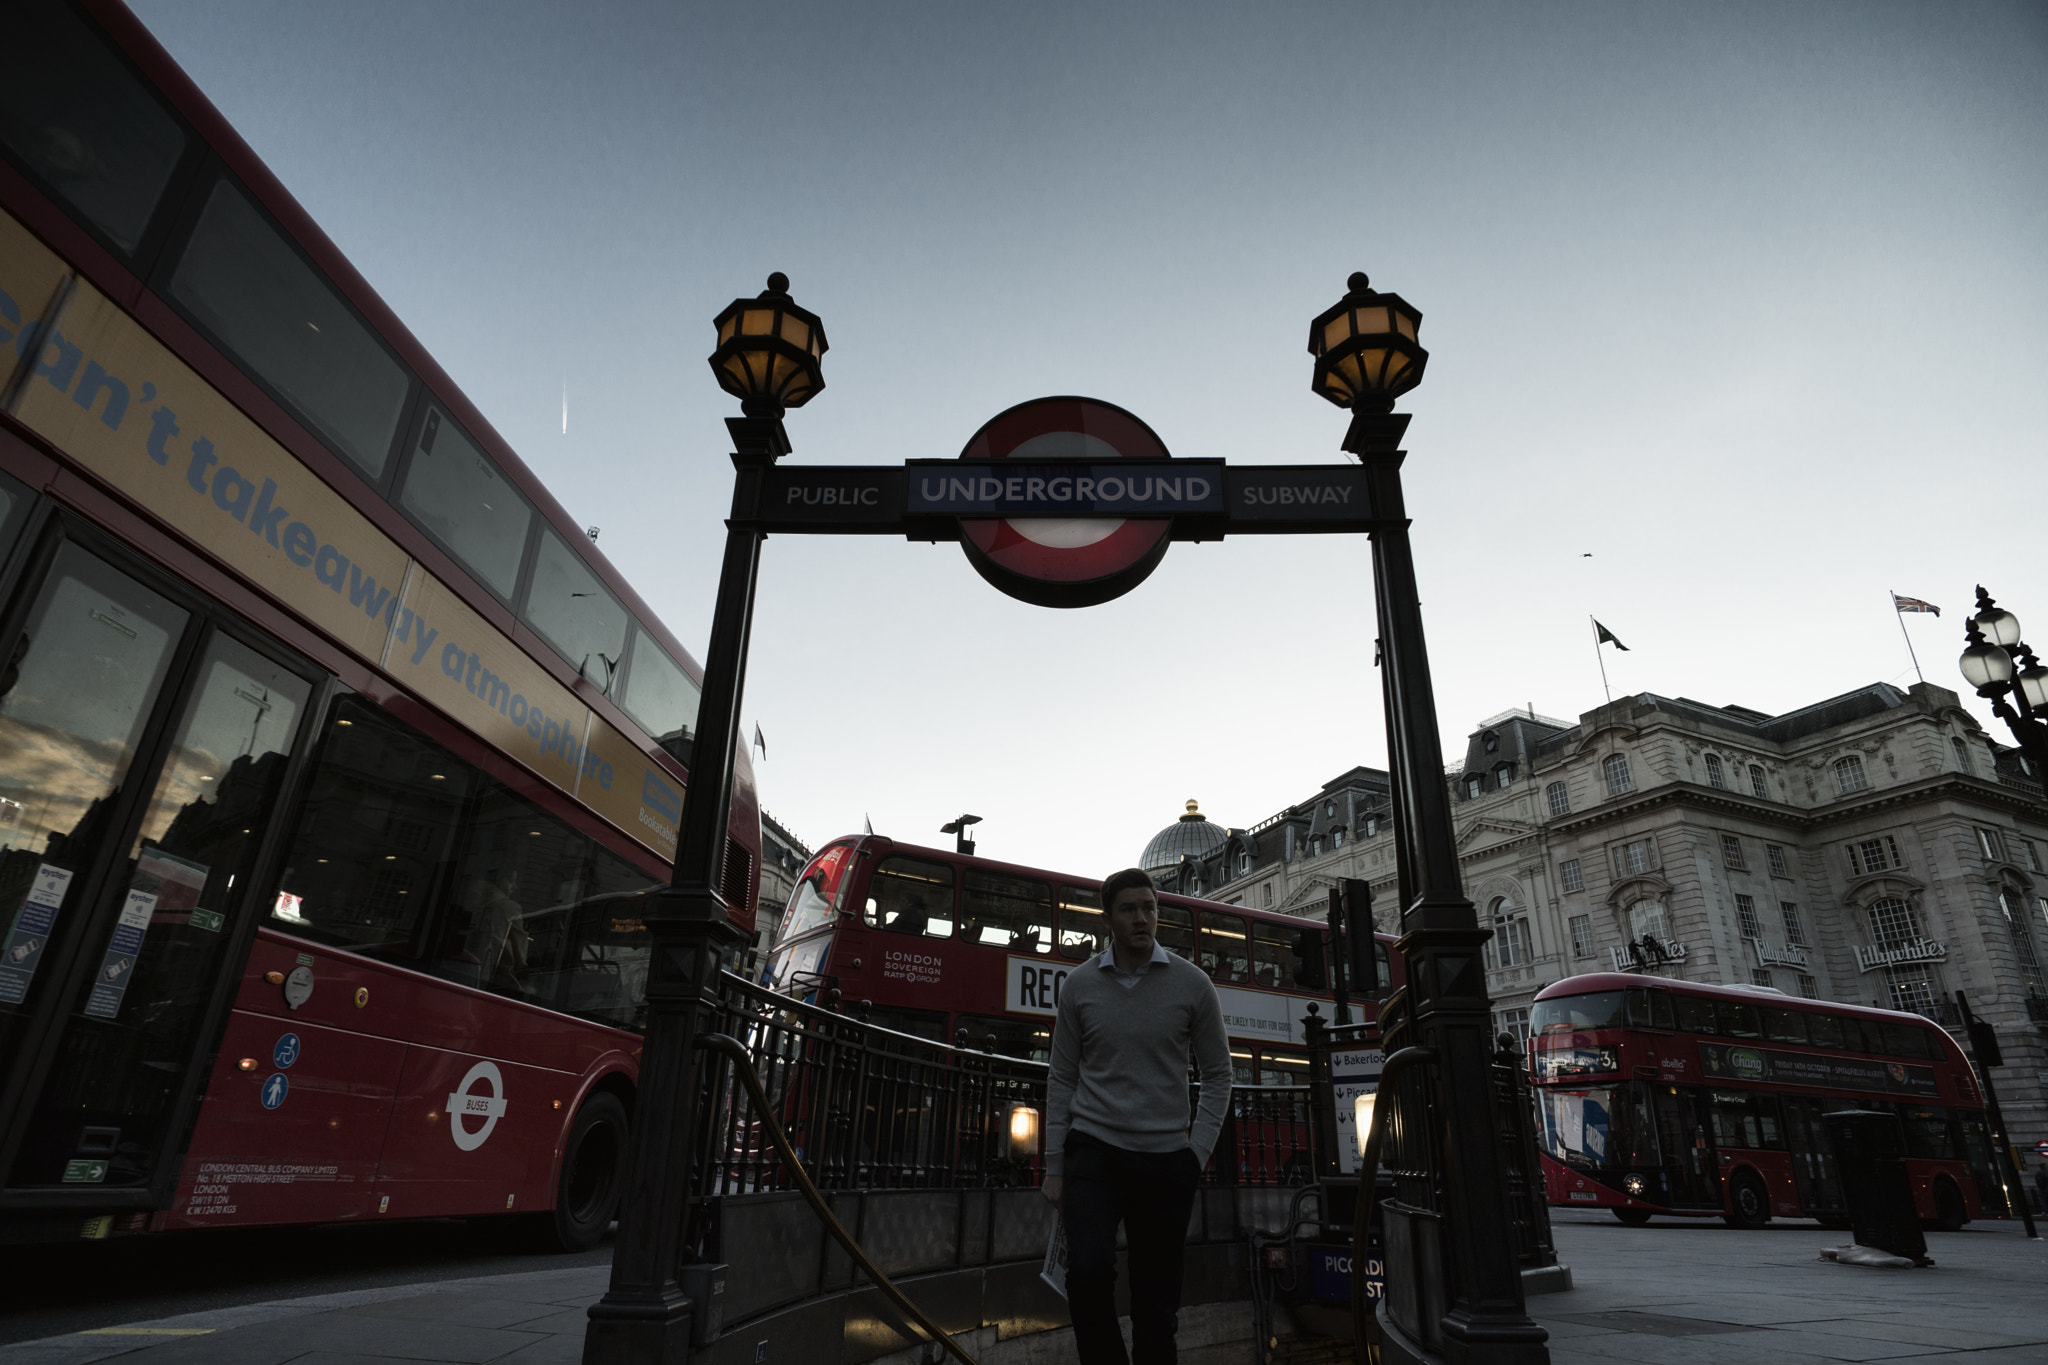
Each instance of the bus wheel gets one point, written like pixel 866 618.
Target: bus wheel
pixel 593 1167
pixel 1950 1213
pixel 1635 1218
pixel 1749 1204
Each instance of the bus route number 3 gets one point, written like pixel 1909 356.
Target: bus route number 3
pixel 466 1103
pixel 1034 987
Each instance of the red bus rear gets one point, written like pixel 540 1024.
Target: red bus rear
pixel 941 944
pixel 1665 1097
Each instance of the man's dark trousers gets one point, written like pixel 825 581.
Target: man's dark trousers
pixel 1153 1195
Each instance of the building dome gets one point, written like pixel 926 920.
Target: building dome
pixel 1193 835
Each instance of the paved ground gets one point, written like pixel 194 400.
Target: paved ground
pixel 48 1291
pixel 1669 1293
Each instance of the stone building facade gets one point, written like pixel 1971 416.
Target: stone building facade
pixel 1876 848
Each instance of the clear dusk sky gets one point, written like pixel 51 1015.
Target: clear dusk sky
pixel 1747 302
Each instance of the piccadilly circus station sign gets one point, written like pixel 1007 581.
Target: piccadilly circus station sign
pixel 1061 502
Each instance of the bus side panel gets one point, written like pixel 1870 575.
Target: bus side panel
pixel 472 1134
pixel 288 1141
pixel 1775 1168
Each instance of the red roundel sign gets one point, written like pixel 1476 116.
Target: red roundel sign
pixel 1065 561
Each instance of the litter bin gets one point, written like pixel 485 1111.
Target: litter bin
pixel 1870 1150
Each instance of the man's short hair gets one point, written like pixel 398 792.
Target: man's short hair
pixel 1120 882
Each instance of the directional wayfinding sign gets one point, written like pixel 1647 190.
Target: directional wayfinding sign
pixel 1062 502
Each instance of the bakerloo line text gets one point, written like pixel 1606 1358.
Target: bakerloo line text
pixel 1065 489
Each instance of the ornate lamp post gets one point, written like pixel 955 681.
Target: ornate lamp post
pixel 1367 355
pixel 2005 672
pixel 767 357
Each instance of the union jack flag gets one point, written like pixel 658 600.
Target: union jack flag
pixel 1913 604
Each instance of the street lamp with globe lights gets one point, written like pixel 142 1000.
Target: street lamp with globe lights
pixel 767 357
pixel 1461 1258
pixel 2005 673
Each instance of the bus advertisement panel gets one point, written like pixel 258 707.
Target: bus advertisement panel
pixel 1658 1096
pixel 321 722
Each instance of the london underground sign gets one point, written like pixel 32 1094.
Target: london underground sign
pixel 1062 502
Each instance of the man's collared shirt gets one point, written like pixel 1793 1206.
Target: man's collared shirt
pixel 1128 980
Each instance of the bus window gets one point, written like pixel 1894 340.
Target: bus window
pixel 1006 912
pixel 1824 1030
pixel 1784 1026
pixel 1906 1040
pixel 912 896
pixel 1929 1133
pixel 1385 963
pixel 929 1025
pixel 1578 1123
pixel 459 496
pixel 1007 1037
pixel 1177 931
pixel 1282 1069
pixel 1650 1009
pixel 1241 1069
pixel 1601 1009
pixel 818 892
pixel 1738 1019
pixel 1082 933
pixel 1746 1121
pixel 1694 1014
pixel 1272 955
pixel 1226 947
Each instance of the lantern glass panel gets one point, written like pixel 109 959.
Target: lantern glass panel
pixel 1986 664
pixel 757 322
pixel 796 331
pixel 725 328
pixel 2000 626
pixel 1405 324
pixel 1336 331
pixel 1371 320
pixel 2034 686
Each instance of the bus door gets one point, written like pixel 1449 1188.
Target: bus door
pixel 1813 1160
pixel 1685 1131
pixel 143 754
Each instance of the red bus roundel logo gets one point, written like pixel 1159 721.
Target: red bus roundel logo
pixel 1065 561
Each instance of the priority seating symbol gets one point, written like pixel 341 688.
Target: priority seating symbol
pixel 462 1104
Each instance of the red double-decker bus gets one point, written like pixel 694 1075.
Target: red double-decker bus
pixel 318 715
pixel 1665 1097
pixel 940 944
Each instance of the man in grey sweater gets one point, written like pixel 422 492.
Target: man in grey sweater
pixel 1118 1146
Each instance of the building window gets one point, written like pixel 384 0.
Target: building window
pixel 1849 775
pixel 1731 850
pixel 1646 917
pixel 1893 923
pixel 1568 875
pixel 1776 857
pixel 1615 769
pixel 1962 755
pixel 1582 935
pixel 1633 857
pixel 1372 825
pixel 1756 782
pixel 1502 777
pixel 1515 1023
pixel 1471 789
pixel 1987 841
pixel 1266 896
pixel 1315 848
pixel 1244 862
pixel 1492 742
pixel 1912 987
pixel 2022 941
pixel 1560 799
pixel 1759 976
pixel 1809 987
pixel 1510 944
pixel 1336 838
pixel 1875 855
pixel 1745 914
pixel 1329 808
pixel 2033 855
pixel 1795 932
pixel 1716 775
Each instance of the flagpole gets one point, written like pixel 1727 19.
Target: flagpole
pixel 1601 657
pixel 1909 639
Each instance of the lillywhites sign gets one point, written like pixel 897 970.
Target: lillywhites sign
pixel 1722 1062
pixel 1919 950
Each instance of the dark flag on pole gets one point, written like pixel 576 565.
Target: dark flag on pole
pixel 760 743
pixel 1607 637
pixel 1913 604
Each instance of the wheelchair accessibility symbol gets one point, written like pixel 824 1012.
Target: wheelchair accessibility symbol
pixel 463 1105
pixel 286 1052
